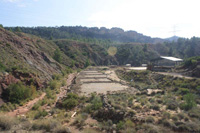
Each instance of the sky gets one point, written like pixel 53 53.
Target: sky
pixel 155 18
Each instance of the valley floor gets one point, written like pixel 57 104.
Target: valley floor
pixel 105 99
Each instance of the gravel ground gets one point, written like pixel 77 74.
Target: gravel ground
pixel 101 87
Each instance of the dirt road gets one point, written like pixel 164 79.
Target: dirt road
pixel 175 75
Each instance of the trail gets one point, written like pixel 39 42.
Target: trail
pixel 25 108
pixel 63 90
pixel 176 75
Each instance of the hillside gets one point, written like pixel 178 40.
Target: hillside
pixel 28 53
pixel 81 53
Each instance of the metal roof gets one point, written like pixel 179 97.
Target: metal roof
pixel 171 58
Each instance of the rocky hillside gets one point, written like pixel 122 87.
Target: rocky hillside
pixel 19 51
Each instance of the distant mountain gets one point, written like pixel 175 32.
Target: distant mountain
pixel 173 38
pixel 79 32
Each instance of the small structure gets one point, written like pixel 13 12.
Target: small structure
pixel 128 65
pixel 163 63
pixel 144 65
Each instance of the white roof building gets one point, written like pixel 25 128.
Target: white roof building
pixel 171 58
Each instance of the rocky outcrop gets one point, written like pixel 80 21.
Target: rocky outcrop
pixel 6 80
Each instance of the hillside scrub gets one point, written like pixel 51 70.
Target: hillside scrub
pixel 71 101
pixel 179 94
pixel 2 67
pixel 16 93
pixel 7 123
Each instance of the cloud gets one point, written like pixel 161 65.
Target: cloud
pixel 155 18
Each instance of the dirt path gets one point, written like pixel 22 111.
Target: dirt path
pixel 175 75
pixel 63 90
pixel 25 108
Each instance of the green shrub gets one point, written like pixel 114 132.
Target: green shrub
pixel 150 119
pixel 49 94
pixel 120 125
pixel 57 55
pixel 53 85
pixel 129 124
pixel 2 67
pixel 17 93
pixel 189 101
pixel 166 115
pixel 95 104
pixel 172 104
pixel 7 107
pixel 7 122
pixel 168 123
pixel 195 113
pixel 40 113
pixel 184 91
pixel 175 118
pixel 63 83
pixel 155 107
pixel 80 120
pixel 56 77
pixel 71 101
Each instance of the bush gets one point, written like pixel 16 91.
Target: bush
pixel 167 123
pixel 57 55
pixel 155 107
pixel 45 124
pixel 195 113
pixel 2 67
pixel 184 91
pixel 172 104
pixel 95 104
pixel 56 77
pixel 120 125
pixel 53 85
pixel 150 119
pixel 80 120
pixel 40 113
pixel 166 115
pixel 70 101
pixel 175 118
pixel 17 93
pixel 7 107
pixel 7 122
pixel 189 101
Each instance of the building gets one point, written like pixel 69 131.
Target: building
pixel 163 63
